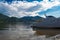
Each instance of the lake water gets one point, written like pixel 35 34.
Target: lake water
pixel 23 32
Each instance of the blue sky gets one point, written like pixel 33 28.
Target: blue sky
pixel 30 8
pixel 21 0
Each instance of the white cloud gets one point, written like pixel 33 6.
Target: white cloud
pixel 20 8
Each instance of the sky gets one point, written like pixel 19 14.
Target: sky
pixel 21 8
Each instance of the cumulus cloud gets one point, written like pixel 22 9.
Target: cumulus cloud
pixel 19 8
pixel 24 8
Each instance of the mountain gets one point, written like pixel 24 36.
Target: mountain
pixel 29 19
pixel 50 22
pixel 13 20
pixel 3 18
pixel 3 21
pixel 6 19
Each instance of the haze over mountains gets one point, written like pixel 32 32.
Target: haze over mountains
pixel 6 19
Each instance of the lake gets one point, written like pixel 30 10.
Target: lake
pixel 23 32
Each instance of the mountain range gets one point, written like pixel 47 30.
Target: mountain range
pixel 6 19
pixel 38 21
pixel 50 22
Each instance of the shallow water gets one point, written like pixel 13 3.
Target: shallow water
pixel 21 32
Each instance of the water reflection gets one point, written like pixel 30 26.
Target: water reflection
pixel 15 31
pixel 21 32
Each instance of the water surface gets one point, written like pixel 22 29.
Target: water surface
pixel 22 32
